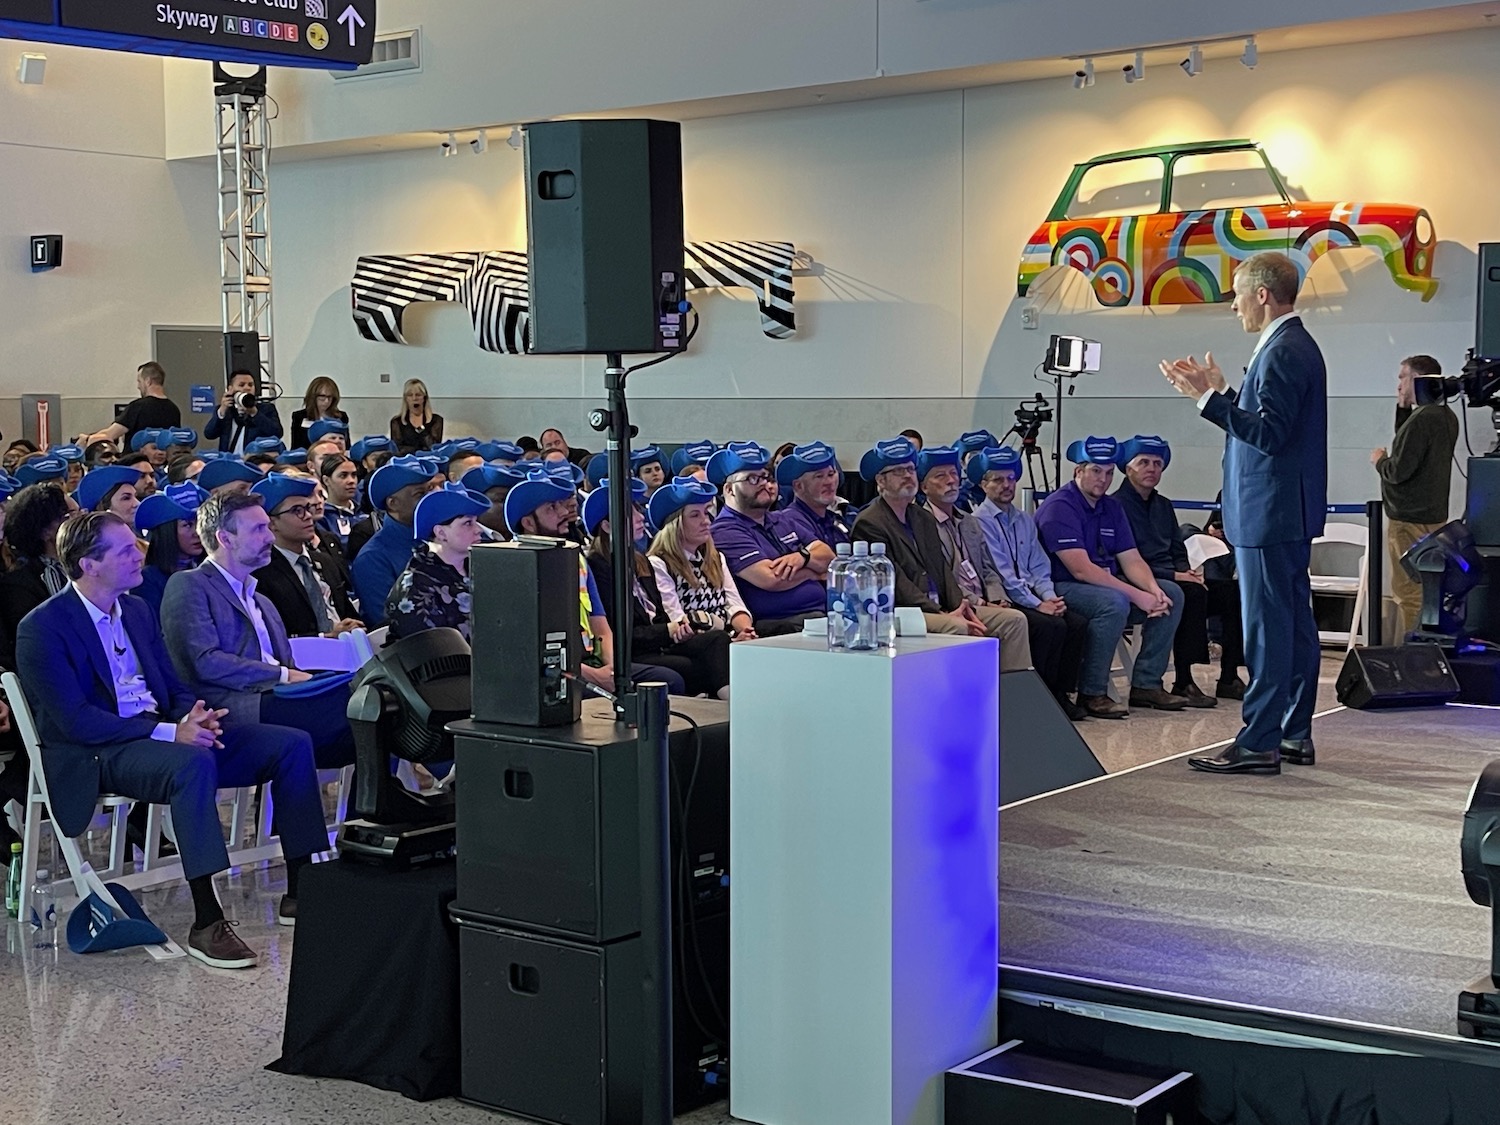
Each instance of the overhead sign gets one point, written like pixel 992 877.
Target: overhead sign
pixel 331 34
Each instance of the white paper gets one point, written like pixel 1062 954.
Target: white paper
pixel 1201 548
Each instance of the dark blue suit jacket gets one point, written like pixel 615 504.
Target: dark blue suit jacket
pixel 266 423
pixel 1276 454
pixel 68 682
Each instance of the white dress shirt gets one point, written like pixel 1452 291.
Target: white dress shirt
pixel 132 696
pixel 245 592
pixel 1260 342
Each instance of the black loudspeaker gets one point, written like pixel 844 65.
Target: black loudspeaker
pixel 1415 675
pixel 1040 749
pixel 242 353
pixel 525 632
pixel 1482 502
pixel 604 226
pixel 1487 316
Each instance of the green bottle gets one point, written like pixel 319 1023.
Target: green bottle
pixel 13 883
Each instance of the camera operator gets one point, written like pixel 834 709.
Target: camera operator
pixel 242 417
pixel 1416 474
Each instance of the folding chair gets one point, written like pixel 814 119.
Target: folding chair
pixel 1324 582
pixel 1128 648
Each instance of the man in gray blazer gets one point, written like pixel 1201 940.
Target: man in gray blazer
pixel 228 643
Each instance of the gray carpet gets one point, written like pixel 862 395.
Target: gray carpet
pixel 1333 890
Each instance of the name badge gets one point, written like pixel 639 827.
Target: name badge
pixel 966 572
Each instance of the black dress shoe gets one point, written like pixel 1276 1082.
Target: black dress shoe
pixel 1238 759
pixel 1194 695
pixel 1298 751
pixel 1230 689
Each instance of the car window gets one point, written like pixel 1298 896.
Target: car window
pixel 1121 187
pixel 1204 180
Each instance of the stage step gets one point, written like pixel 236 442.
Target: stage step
pixel 1018 1083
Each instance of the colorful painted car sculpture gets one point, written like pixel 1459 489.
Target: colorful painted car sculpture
pixel 1168 226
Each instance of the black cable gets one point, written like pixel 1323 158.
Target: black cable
pixel 689 904
pixel 688 339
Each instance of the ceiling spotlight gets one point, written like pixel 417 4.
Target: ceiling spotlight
pixel 1251 55
pixel 1084 77
pixel 516 138
pixel 481 143
pixel 450 145
pixel 1136 71
pixel 1192 66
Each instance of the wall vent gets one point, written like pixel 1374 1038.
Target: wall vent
pixel 394 51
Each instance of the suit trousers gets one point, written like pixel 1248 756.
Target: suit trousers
pixel 1399 536
pixel 188 779
pixel 1057 647
pixel 1003 623
pixel 1281 644
pixel 324 717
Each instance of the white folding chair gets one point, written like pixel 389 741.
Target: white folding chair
pixel 1128 648
pixel 1336 541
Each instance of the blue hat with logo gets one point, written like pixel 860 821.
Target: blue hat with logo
pixel 506 451
pixel 1093 451
pixel 44 468
pixel 540 486
pixel 142 438
pixel 265 445
pixel 995 459
pixel 156 510
pixel 9 486
pixel 933 456
pixel 565 470
pixel 693 453
pixel 98 483
pixel 596 504
pixel 187 495
pixel 482 478
pixel 442 505
pixel 327 427
pixel 446 449
pixel 399 473
pixel 1147 444
pixel 804 459
pixel 69 453
pixel 737 457
pixel 226 470
pixel 180 436
pixel 887 455
pixel 676 495
pixel 598 466
pixel 275 488
pixel 975 440
pixel 372 443
pixel 296 458
pixel 640 458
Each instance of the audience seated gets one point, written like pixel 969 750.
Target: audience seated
pixel 114 718
pixel 308 586
pixel 73 456
pixel 33 575
pixel 183 466
pixel 1159 538
pixel 434 591
pixel 495 481
pixel 146 486
pixel 167 521
pixel 416 429
pixel 811 476
pixel 915 547
pixel 780 579
pixel 701 658
pixel 691 575
pixel 228 643
pixel 234 428
pixel 650 467
pixel 110 489
pixel 98 453
pixel 395 490
pixel 339 476
pixel 319 403
pixel 1057 633
pixel 459 456
pixel 1099 573
pixel 9 486
pixel 40 468
pixel 228 474
pixel 692 459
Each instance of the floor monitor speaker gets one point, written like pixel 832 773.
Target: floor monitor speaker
pixel 1040 749
pixel 1415 675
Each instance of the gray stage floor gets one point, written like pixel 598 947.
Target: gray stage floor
pixel 1333 890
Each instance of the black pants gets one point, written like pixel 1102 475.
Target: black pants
pixel 702 661
pixel 783 626
pixel 324 717
pixel 1056 647
pixel 1190 646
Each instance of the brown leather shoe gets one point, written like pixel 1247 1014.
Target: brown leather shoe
pixel 286 913
pixel 1230 689
pixel 1102 707
pixel 218 945
pixel 1156 699
pixel 1194 695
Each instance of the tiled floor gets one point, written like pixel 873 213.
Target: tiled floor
pixel 120 1038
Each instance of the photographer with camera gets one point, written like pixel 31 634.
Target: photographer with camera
pixel 1416 473
pixel 242 416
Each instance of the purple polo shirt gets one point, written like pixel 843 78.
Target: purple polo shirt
pixel 797 516
pixel 1066 522
pixel 743 543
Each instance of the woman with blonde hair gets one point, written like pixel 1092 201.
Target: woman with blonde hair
pixel 321 403
pixel 416 429
pixel 696 587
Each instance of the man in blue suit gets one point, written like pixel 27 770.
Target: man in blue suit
pixel 235 425
pixel 1275 502
pixel 114 718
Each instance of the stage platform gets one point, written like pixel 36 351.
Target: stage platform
pixel 1160 910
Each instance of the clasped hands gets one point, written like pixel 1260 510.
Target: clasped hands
pixel 1192 378
pixel 200 726
pixel 1153 603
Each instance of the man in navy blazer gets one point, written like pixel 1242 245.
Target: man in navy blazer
pixel 229 644
pixel 1275 503
pixel 234 428
pixel 113 718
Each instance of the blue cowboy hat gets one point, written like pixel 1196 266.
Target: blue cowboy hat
pixel 371 443
pixel 274 488
pixel 265 445
pixel 737 457
pixel 443 505
pixel 322 428
pixel 933 456
pixel 995 459
pixel 693 453
pixel 100 482
pixel 540 486
pixel 804 459
pixel 482 478
pixel 596 504
pixel 676 495
pixel 1148 444
pixel 396 474
pixel 1093 451
pixel 225 470
pixel 887 455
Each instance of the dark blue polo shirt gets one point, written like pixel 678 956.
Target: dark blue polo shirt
pixel 829 528
pixel 1066 522
pixel 743 543
pixel 1153 522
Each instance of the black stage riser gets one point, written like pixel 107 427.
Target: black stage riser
pixel 1040 749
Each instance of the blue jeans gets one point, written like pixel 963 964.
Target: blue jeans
pixel 1109 612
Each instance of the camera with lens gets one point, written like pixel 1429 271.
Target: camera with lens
pixel 244 401
pixel 1030 416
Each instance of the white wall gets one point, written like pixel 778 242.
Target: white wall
pixel 83 155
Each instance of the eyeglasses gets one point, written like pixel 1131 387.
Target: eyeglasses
pixel 899 471
pixel 298 511
pixel 756 479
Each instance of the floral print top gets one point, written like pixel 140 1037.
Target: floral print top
pixel 429 594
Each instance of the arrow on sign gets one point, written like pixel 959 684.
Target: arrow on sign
pixel 352 17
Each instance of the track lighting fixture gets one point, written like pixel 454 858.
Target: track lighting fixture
pixel 1192 66
pixel 481 142
pixel 1136 71
pixel 1084 77
pixel 450 145
pixel 1251 55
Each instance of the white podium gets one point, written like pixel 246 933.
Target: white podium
pixel 864 877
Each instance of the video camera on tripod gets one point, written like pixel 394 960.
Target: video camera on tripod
pixel 1031 415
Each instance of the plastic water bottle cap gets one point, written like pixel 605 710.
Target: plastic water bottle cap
pixel 841 549
pixel 861 549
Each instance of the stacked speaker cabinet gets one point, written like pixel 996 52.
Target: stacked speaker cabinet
pixel 548 913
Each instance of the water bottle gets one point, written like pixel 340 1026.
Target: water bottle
pixel 44 909
pixel 13 883
pixel 863 592
pixel 885 617
pixel 838 605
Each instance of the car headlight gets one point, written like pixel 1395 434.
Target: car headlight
pixel 1423 228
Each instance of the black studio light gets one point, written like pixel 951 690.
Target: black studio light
pixel 1448 566
pixel 1479 1003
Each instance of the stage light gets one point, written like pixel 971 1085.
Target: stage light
pixel 516 138
pixel 1479 852
pixel 1448 566
pixel 450 145
pixel 1084 77
pixel 1251 55
pixel 1192 66
pixel 481 143
pixel 1136 71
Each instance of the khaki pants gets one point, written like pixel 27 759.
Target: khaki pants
pixel 1009 626
pixel 1399 536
